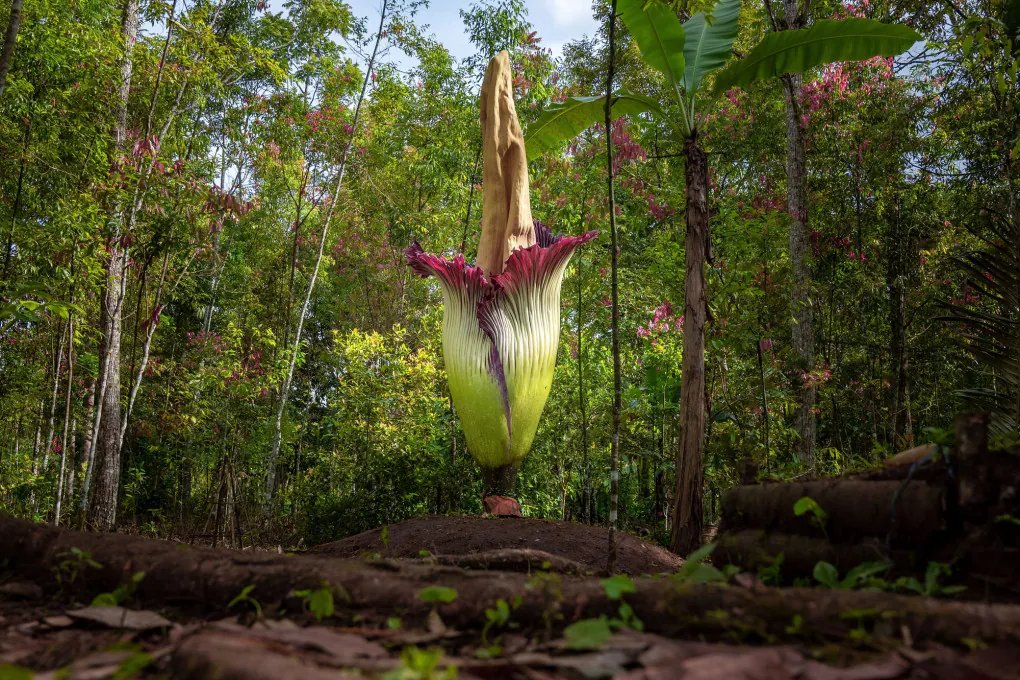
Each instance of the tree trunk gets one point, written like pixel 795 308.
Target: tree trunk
pixel 87 449
pixel 102 505
pixel 614 455
pixel 897 330
pixel 802 340
pixel 688 513
pixel 67 420
pixel 7 55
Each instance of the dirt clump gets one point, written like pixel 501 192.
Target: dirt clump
pixel 448 537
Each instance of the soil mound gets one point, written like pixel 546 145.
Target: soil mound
pixel 511 544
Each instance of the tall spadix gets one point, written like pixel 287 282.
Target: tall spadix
pixel 506 200
pixel 501 319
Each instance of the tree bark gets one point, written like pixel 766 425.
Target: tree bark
pixel 802 340
pixel 688 511
pixel 7 55
pixel 614 455
pixel 102 505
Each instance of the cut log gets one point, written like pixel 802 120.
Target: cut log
pixel 914 514
pixel 753 550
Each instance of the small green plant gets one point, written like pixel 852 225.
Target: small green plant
pixel 245 596
pixel 121 593
pixel 385 535
pixel 827 574
pixel 437 595
pixel 616 587
pixel 394 623
pixel 697 570
pixel 73 562
pixel 551 586
pixel 859 633
pixel 796 626
pixel 819 517
pixel 770 575
pixel 1008 519
pixel 319 601
pixel 421 664
pixel 588 633
pixel 930 587
pixel 499 617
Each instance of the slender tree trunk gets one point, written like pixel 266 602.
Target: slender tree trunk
pixel 48 442
pixel 614 455
pixel 102 505
pixel 801 305
pixel 285 388
pixel 688 511
pixel 88 450
pixel 149 331
pixel 10 37
pixel 9 250
pixel 67 419
pixel 895 276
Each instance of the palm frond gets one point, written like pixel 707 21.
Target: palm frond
pixel 990 332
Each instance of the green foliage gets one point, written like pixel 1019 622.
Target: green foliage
pixel 245 596
pixel 931 586
pixel 11 672
pixel 659 36
pixel 771 575
pixel 588 633
pixel 121 593
pixel 566 120
pixel 437 595
pixel 806 505
pixel 71 564
pixel 421 664
pixel 319 601
pixel 709 42
pixel 617 585
pixel 823 42
pixel 826 574
pixel 992 333
pixel 696 569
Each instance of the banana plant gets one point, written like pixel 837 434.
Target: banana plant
pixel 686 55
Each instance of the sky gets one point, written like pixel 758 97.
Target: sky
pixel 557 22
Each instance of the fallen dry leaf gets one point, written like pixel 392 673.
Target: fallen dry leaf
pixel 25 590
pixel 60 621
pixel 226 656
pixel 893 667
pixel 119 617
pixel 760 664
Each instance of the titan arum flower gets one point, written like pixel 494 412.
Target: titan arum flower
pixel 501 321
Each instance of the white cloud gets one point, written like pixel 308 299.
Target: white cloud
pixel 569 12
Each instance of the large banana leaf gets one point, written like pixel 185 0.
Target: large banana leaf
pixel 823 43
pixel 561 122
pixel 659 36
pixel 709 44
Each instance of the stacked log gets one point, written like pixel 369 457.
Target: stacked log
pixel 960 507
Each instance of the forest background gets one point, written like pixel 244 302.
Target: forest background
pixel 179 219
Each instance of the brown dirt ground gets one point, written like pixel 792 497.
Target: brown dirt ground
pixel 447 537
pixel 740 631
